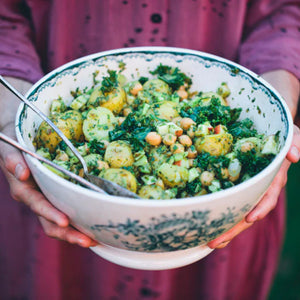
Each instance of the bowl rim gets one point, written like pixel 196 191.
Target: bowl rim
pixel 277 161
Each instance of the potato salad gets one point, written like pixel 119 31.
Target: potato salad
pixel 155 136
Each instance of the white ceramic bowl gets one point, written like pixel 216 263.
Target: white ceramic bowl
pixel 157 234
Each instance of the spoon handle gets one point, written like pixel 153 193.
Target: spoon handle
pixel 46 119
pixel 79 179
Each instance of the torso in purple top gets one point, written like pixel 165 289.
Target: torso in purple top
pixel 39 35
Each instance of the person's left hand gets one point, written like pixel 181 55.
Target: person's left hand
pixel 280 80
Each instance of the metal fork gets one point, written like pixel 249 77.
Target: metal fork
pixel 105 185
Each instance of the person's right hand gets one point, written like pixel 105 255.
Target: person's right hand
pixel 22 186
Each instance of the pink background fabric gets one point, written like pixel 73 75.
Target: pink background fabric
pixel 37 36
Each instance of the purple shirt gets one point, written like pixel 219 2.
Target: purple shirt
pixel 39 35
pixel 261 35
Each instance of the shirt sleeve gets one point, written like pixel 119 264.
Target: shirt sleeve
pixel 271 37
pixel 18 56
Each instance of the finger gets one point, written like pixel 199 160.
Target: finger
pixel 14 162
pixel 67 234
pixel 27 193
pixel 270 198
pixel 294 152
pixel 224 239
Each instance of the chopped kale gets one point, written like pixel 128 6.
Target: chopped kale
pixel 96 147
pixel 242 129
pixel 253 163
pixel 109 83
pixel 143 79
pixel 216 113
pixel 216 163
pixel 226 184
pixel 130 169
pixel 63 146
pixel 172 76
pixel 133 130
pixel 193 187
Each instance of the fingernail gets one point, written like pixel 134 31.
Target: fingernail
pixel 251 218
pixel 295 152
pixel 223 244
pixel 19 171
pixel 82 242
pixel 94 243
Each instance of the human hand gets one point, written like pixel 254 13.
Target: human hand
pixel 288 86
pixel 22 186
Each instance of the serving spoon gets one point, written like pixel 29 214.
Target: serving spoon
pixel 102 184
pixel 72 175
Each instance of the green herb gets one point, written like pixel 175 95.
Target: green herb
pixel 253 163
pixel 172 76
pixel 143 79
pixel 96 147
pixel 216 113
pixel 242 129
pixel 134 129
pixel 122 65
pixel 95 81
pixel 193 187
pixel 110 82
pixel 216 163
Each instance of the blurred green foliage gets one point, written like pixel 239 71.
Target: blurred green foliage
pixel 287 281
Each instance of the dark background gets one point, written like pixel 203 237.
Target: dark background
pixel 287 282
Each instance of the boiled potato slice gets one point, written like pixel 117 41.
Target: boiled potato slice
pixel 122 177
pixel 114 100
pixel 173 175
pixel 99 121
pixel 214 144
pixel 152 192
pixel 118 154
pixel 167 110
pixel 69 122
pixel 156 85
pixel 158 156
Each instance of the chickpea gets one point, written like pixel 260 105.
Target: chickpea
pixel 182 93
pixel 81 173
pixel 206 178
pixel 178 132
pixel 105 143
pixel 177 148
pixel 136 88
pixel 177 121
pixel 247 146
pixel 121 120
pixel 127 111
pixel 186 123
pixel 233 178
pixel 102 165
pixel 192 152
pixel 185 140
pixel 169 139
pixel 62 156
pixel 153 138
pixel 224 173
pixel 191 131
